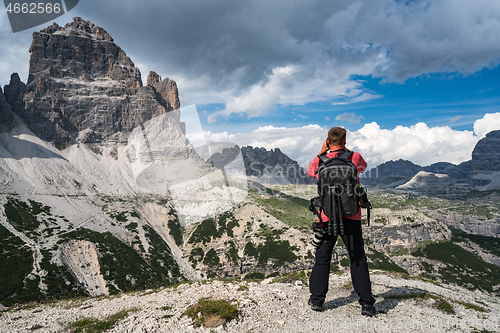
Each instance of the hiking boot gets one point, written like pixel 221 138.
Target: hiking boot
pixel 318 308
pixel 368 310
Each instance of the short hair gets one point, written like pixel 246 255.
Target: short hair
pixel 336 135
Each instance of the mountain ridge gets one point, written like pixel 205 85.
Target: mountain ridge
pixel 80 79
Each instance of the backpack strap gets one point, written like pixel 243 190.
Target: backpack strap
pixel 315 202
pixel 343 154
pixel 322 158
pixel 347 155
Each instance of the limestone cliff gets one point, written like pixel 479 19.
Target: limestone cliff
pixel 273 167
pixel 80 79
pixel 6 116
pixel 81 259
pixel 486 154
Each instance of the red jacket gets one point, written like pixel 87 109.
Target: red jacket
pixel 358 161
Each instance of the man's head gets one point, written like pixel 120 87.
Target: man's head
pixel 336 136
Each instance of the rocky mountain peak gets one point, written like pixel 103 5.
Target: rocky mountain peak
pixel 166 88
pixel 486 154
pixel 79 26
pixel 80 49
pixel 6 116
pixel 494 134
pixel 273 167
pixel 79 79
pixel 393 168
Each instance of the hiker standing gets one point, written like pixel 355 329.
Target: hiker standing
pixel 351 234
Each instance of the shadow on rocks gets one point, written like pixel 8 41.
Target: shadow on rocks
pixel 341 301
pixel 394 295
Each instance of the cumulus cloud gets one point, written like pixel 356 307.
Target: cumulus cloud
pixel 490 122
pixel 350 117
pixel 419 143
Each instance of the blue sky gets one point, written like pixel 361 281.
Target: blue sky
pixel 417 80
pixel 452 100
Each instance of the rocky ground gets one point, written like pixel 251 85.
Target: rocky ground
pixel 276 307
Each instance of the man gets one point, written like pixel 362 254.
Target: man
pixel 352 237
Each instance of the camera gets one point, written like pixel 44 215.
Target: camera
pixel 317 238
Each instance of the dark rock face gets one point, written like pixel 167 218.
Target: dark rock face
pixel 80 49
pixel 80 79
pixel 260 162
pixel 270 167
pixel 7 121
pixel 395 173
pixel 166 88
pixel 486 154
pixel 460 171
pixel 220 160
pixel 393 168
pixel 14 92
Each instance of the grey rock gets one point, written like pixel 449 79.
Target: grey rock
pixel 7 120
pixel 393 168
pixel 79 79
pixel 89 136
pixel 393 237
pixel 395 173
pixel 454 171
pixel 273 167
pixel 167 90
pixel 486 154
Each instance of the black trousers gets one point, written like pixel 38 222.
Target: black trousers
pixel 353 240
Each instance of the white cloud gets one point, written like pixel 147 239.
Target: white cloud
pixel 419 143
pixel 455 119
pixel 350 117
pixel 490 122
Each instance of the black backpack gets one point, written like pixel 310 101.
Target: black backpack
pixel 340 193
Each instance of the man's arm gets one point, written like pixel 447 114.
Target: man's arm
pixel 325 147
pixel 359 162
pixel 312 169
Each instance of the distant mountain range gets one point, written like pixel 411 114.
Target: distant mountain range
pixel 482 171
pixel 268 167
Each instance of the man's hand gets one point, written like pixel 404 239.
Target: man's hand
pixel 325 147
